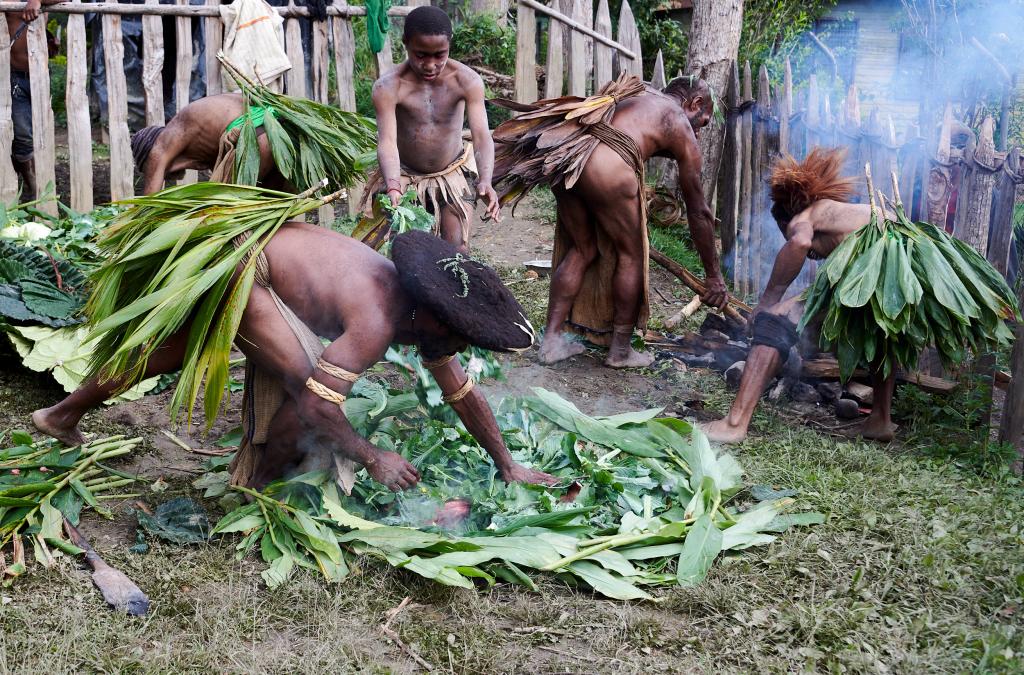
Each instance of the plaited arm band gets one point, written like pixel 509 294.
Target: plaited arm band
pixel 430 364
pixel 326 393
pixel 460 393
pixel 336 371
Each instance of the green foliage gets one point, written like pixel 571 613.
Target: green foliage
pixel 675 242
pixel 772 29
pixel 894 287
pixel 647 499
pixel 479 39
pixel 657 31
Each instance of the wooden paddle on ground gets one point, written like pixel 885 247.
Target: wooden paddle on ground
pixel 118 590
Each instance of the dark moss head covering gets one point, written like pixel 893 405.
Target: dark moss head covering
pixel 463 293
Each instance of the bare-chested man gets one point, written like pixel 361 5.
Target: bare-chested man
pixel 191 140
pixel 594 163
pixel 340 289
pixel 811 210
pixel 21 95
pixel 421 105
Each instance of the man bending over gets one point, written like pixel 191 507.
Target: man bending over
pixel 811 210
pixel 421 105
pixel 592 153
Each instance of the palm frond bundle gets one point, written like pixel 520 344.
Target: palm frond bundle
pixel 308 140
pixel 895 287
pixel 171 258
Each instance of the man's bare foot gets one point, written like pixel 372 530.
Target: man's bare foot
pixel 518 473
pixel 557 348
pixel 878 430
pixel 45 421
pixel 631 359
pixel 720 431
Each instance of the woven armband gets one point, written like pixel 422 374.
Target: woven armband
pixel 336 371
pixel 460 393
pixel 326 393
pixel 430 364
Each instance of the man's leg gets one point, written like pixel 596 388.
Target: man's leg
pixel 879 426
pixel 61 421
pixel 21 148
pixel 622 224
pixel 449 221
pixel 763 362
pixel 567 280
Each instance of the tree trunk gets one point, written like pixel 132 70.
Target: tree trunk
pixel 714 44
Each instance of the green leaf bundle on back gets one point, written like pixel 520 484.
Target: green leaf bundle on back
pixel 895 287
pixel 171 260
pixel 308 140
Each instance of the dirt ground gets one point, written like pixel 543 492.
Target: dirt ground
pixel 904 593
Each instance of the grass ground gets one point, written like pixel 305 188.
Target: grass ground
pixel 917 569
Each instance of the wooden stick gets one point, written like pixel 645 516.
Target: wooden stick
pixel 696 285
pixel 393 635
pixel 576 25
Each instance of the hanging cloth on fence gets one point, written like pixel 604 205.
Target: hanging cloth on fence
pixel 377 23
pixel 254 42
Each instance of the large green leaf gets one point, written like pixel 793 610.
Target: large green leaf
pixel 703 543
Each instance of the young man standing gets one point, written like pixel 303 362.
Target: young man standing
pixel 421 105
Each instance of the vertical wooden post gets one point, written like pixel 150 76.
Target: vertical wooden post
pixel 909 160
pixel 385 58
pixel 602 53
pixel 42 114
pixel 813 116
pixel 785 108
pixel 554 66
pixel 122 174
pixel 8 177
pixel 761 165
pixel 1001 228
pixel 320 61
pixel 658 80
pixel 939 185
pixel 295 80
pixel 526 54
pixel 1011 428
pixel 663 170
pixel 629 37
pixel 183 75
pixel 344 67
pixel 76 102
pixel 744 258
pixel 577 54
pixel 213 33
pixel 729 203
pixel 828 122
pixel 974 203
pixel 153 65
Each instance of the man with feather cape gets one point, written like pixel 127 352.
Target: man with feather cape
pixel 591 152
pixel 888 288
pixel 195 268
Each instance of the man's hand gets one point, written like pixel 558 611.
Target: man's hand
pixel 31 11
pixel 518 473
pixel 391 470
pixel 395 196
pixel 715 293
pixel 486 192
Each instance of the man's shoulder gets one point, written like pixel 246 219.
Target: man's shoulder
pixel 464 75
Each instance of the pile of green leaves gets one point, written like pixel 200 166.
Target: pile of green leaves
pixel 37 288
pixel 43 483
pixel 309 140
pixel 895 287
pixel 171 258
pixel 378 228
pixel 653 503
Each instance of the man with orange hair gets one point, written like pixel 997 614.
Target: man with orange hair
pixel 810 206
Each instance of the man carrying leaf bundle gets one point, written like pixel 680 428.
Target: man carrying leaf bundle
pixel 591 152
pixel 420 107
pixel 888 289
pixel 195 266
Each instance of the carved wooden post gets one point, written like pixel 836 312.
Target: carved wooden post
pixel 629 37
pixel 729 203
pixel 974 204
pixel 939 185
pixel 76 102
pixel 1001 228
pixel 526 55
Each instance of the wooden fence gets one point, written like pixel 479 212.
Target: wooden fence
pixel 332 39
pixel 969 190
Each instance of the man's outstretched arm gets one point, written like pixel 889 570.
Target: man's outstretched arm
pixel 476 414
pixel 483 146
pixel 698 214
pixel 384 102
pixel 788 263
